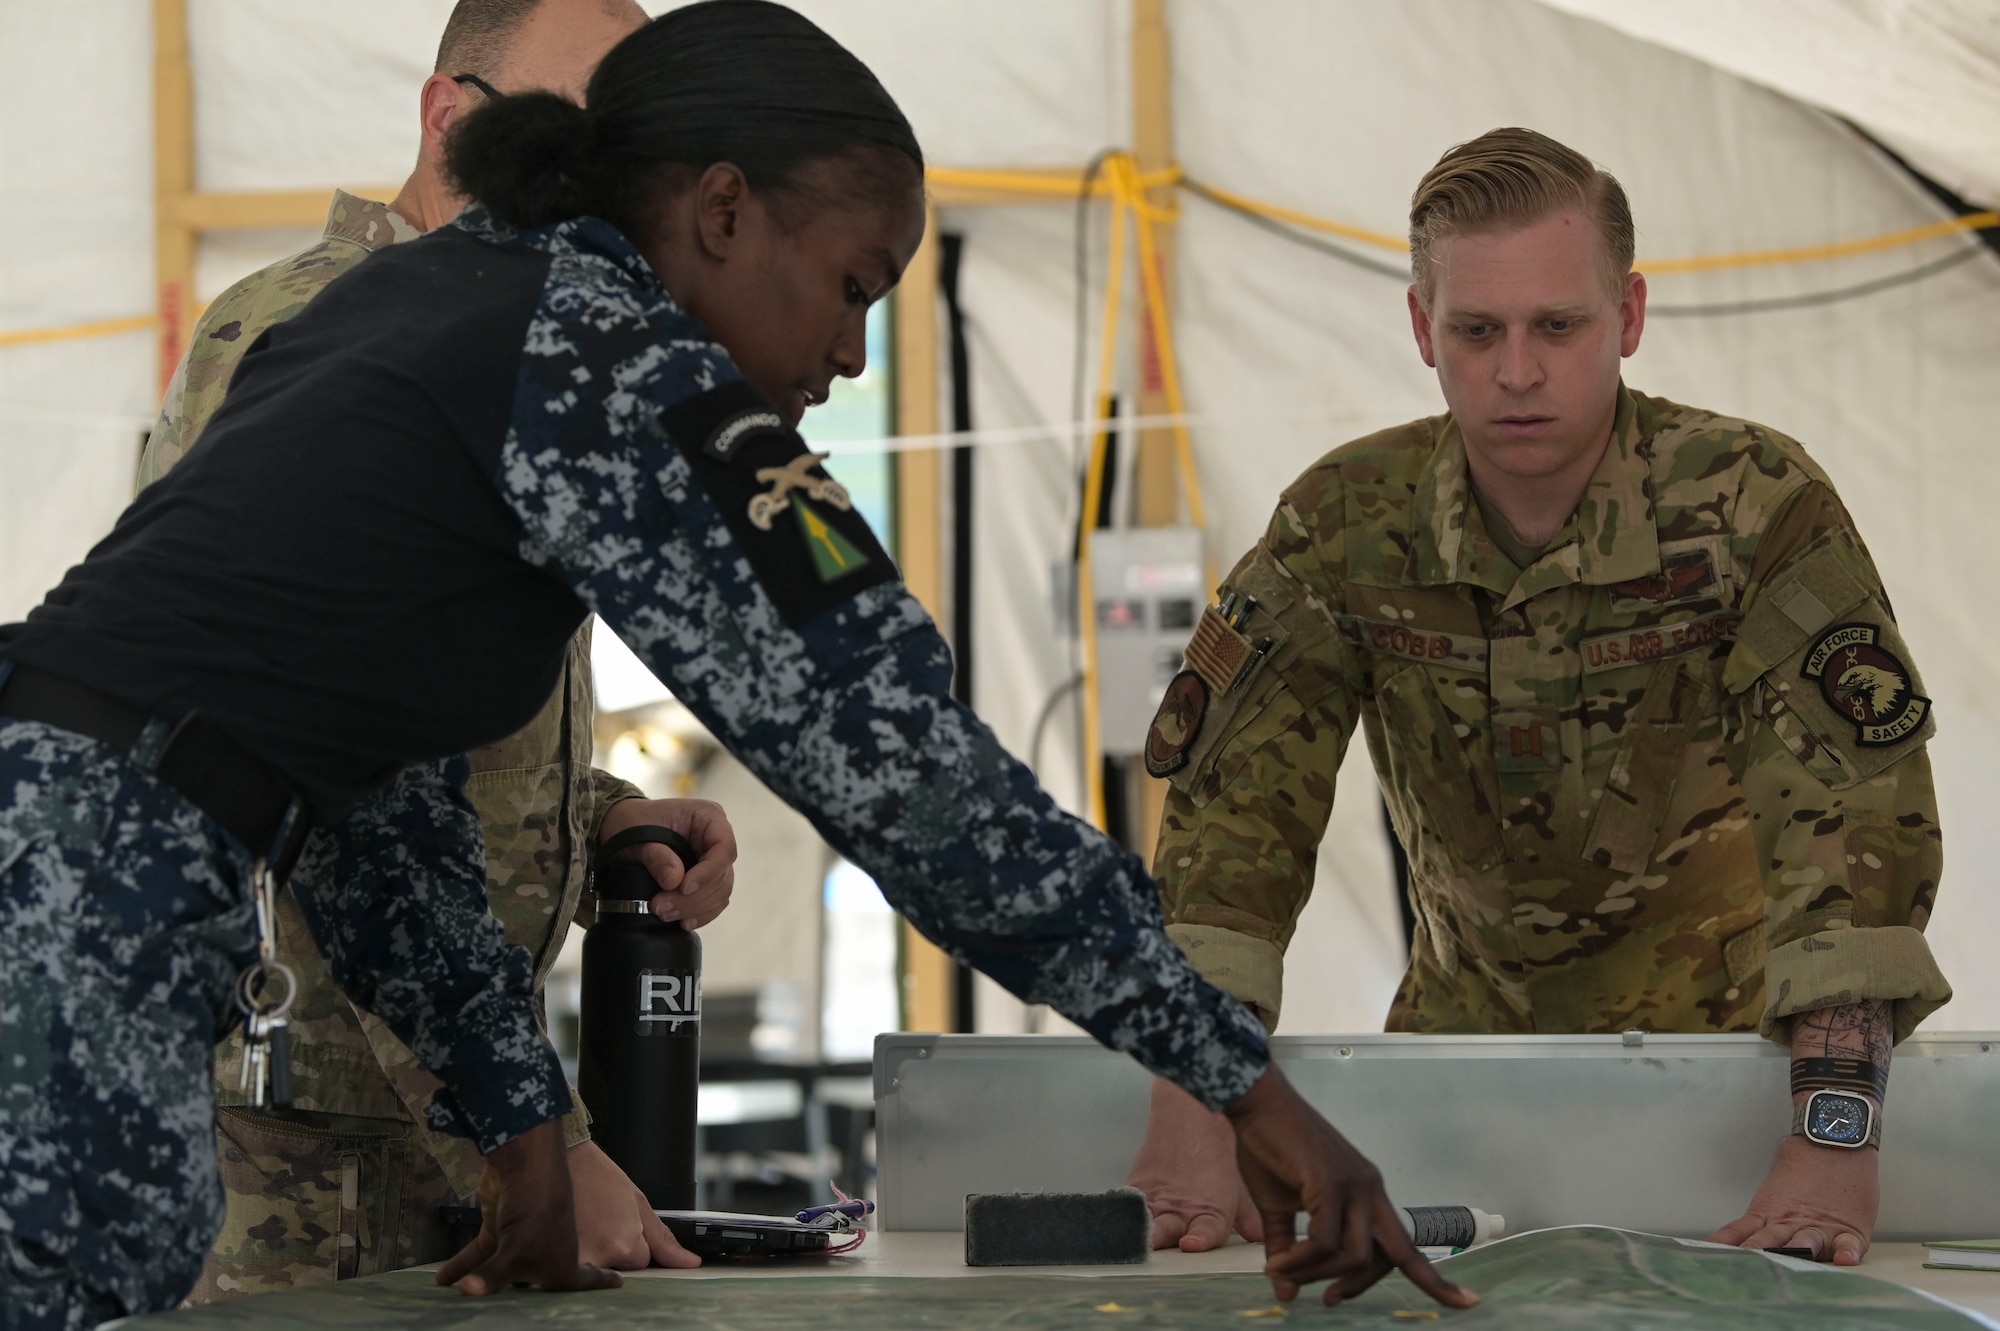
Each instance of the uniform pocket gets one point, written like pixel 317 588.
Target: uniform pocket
pixel 1640 785
pixel 308 1197
pixel 1427 758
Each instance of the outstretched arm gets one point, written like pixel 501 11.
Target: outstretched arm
pixel 785 627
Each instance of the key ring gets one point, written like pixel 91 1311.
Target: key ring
pixel 252 986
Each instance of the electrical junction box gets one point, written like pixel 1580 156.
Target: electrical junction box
pixel 1146 588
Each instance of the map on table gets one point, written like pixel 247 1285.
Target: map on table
pixel 1550 1280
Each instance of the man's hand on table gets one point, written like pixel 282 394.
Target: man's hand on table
pixel 1292 1160
pixel 527 1231
pixel 1187 1169
pixel 694 895
pixel 1818 1197
pixel 1825 1197
pixel 615 1224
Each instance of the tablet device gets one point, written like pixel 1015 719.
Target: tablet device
pixel 723 1234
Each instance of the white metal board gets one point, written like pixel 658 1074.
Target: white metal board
pixel 1670 1137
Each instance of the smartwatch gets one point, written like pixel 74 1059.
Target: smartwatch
pixel 1838 1118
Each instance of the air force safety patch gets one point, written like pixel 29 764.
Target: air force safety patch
pixel 1176 725
pixel 1865 682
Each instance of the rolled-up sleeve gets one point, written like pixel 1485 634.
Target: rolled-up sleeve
pixel 1833 727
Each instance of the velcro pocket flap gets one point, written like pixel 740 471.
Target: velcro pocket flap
pixel 1821 585
pixel 1436 768
pixel 1641 782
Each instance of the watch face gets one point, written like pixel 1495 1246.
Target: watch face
pixel 1836 1119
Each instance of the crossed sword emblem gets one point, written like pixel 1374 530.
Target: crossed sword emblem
pixel 792 476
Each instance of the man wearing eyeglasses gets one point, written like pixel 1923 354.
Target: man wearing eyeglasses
pixel 354 1178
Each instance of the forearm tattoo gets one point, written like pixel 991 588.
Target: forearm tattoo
pixel 1845 1048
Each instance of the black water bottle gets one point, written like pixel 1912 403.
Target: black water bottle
pixel 639 1038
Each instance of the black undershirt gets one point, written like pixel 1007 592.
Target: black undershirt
pixel 330 574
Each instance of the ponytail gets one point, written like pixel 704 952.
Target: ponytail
pixel 524 157
pixel 742 81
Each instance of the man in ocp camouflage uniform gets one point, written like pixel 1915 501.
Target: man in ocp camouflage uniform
pixel 351 1180
pixel 1633 691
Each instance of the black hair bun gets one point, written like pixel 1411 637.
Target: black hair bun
pixel 524 157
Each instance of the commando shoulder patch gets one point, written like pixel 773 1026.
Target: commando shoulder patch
pixel 754 469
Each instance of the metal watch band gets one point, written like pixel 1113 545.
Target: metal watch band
pixel 1800 1110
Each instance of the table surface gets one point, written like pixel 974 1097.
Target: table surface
pixel 943 1254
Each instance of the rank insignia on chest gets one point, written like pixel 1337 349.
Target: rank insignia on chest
pixel 1867 683
pixel 1681 577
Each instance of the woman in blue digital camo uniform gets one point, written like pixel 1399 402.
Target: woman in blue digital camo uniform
pixel 566 414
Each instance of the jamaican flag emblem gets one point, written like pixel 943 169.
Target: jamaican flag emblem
pixel 833 555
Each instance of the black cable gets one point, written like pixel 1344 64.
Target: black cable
pixel 1285 232
pixel 1064 689
pixel 1079 369
pixel 1810 299
pixel 951 252
pixel 1721 309
pixel 1081 334
pixel 951 255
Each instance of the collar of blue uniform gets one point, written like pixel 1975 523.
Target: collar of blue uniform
pixel 578 235
pixel 1611 537
pixel 364 222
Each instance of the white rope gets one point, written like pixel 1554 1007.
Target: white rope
pixel 1078 431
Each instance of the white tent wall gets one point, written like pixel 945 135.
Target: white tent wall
pixel 1923 75
pixel 76 246
pixel 1331 106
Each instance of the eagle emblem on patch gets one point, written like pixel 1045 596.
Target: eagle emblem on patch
pixel 1176 725
pixel 1867 683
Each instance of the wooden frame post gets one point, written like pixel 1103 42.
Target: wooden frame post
pixel 927 972
pixel 173 181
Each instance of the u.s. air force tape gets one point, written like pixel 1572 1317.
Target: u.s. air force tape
pixel 795 524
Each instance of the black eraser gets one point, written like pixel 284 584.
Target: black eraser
pixel 1058 1228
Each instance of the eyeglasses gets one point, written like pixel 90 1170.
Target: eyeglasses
pixel 473 80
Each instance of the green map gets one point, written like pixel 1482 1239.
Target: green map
pixel 1602 1279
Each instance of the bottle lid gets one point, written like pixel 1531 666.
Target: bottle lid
pixel 620 879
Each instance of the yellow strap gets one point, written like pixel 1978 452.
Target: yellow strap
pixel 1915 235
pixel 1132 185
pixel 74 332
pixel 1309 222
pixel 1806 253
